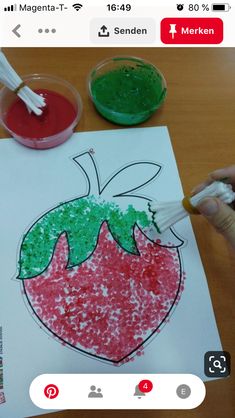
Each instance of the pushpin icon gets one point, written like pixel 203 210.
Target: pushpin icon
pixel 173 30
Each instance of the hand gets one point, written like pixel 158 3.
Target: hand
pixel 220 215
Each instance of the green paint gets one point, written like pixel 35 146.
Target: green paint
pixel 128 94
pixel 81 219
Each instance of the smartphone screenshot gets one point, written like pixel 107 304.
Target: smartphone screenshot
pixel 117 209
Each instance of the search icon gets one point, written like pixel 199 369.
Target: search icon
pixel 217 364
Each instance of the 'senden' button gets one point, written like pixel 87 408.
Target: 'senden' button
pixel 191 30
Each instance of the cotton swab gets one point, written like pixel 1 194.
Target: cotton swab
pixel 10 79
pixel 166 214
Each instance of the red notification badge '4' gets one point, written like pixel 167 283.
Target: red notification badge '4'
pixel 191 30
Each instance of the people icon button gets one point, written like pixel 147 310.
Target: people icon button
pixel 95 393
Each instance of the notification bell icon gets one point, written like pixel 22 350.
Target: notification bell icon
pixel 138 392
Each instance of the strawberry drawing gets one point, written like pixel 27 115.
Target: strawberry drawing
pixel 95 272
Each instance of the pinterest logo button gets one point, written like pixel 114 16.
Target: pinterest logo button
pixel 51 391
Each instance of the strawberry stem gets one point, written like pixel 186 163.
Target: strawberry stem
pixel 88 166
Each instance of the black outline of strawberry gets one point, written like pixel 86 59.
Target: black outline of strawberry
pixel 100 191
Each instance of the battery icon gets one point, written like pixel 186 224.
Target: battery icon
pixel 220 7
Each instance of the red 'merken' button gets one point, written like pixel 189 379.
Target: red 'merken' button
pixel 192 30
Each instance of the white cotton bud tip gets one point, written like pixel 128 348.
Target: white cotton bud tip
pixel 166 214
pixel 216 189
pixel 11 80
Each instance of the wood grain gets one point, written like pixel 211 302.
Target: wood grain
pixel 199 112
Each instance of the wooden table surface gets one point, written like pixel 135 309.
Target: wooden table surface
pixel 200 114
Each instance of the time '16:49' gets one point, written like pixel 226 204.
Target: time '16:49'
pixel 117 7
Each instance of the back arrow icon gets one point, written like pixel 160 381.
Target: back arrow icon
pixel 15 31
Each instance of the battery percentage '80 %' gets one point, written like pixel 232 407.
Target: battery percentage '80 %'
pixel 196 7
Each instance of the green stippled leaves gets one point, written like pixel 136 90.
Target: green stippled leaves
pixel 122 227
pixel 81 219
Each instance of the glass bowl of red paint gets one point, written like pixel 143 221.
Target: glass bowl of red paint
pixel 60 116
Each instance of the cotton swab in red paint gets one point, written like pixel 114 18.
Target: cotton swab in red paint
pixel 166 214
pixel 10 79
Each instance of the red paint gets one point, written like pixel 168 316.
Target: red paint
pixel 112 302
pixel 57 116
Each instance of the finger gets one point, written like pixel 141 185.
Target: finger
pixel 221 216
pixel 224 174
pixel 200 187
pixel 227 175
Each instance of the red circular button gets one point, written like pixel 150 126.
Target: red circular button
pixel 145 386
pixel 51 391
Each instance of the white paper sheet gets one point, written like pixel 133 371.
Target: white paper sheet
pixel 33 182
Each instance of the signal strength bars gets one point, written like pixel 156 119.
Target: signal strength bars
pixel 12 8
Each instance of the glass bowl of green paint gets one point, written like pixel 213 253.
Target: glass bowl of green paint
pixel 126 90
